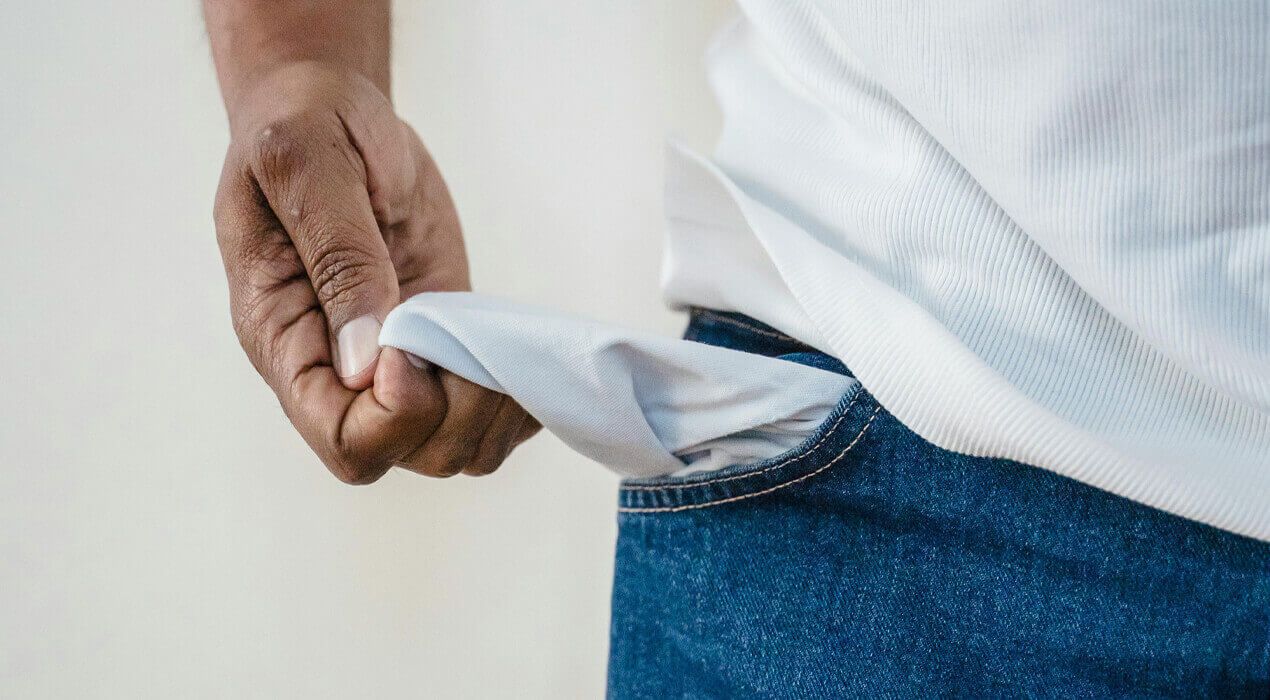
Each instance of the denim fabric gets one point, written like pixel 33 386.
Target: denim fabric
pixel 870 563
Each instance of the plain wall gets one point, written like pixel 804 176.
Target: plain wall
pixel 163 530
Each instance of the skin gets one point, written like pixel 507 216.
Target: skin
pixel 330 209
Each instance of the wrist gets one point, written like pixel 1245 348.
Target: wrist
pixel 286 88
pixel 254 39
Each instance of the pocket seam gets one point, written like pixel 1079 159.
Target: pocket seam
pixel 803 454
pixel 770 489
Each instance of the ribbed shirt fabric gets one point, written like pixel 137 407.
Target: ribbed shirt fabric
pixel 1034 230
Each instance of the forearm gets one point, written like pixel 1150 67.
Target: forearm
pixel 251 37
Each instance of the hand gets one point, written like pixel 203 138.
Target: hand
pixel 329 213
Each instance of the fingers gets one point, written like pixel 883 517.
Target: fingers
pixel 385 144
pixel 360 435
pixel 479 430
pixel 275 311
pixel 499 439
pixel 282 327
pixel 528 428
pixel 315 184
pixel 427 247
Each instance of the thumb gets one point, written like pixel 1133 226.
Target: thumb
pixel 316 184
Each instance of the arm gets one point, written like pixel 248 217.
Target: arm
pixel 330 212
pixel 252 37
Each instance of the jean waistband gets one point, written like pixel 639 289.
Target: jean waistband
pixel 727 329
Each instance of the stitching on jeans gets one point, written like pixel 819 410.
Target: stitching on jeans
pixel 675 509
pixel 802 455
pixel 742 324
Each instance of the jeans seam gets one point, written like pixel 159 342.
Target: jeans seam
pixel 748 475
pixel 777 487
pixel 712 316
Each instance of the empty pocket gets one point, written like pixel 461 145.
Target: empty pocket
pixel 644 405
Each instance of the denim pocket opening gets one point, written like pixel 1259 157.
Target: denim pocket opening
pixel 828 445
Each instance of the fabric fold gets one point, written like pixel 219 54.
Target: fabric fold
pixel 641 404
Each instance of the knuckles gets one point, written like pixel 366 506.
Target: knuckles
pixel 483 469
pixel 438 462
pixel 449 459
pixel 355 470
pixel 281 146
pixel 355 476
pixel 338 269
pixel 449 465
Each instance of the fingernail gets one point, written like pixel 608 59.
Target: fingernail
pixel 416 361
pixel 357 345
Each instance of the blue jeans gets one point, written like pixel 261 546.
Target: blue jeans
pixel 871 563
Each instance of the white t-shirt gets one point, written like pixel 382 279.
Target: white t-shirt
pixel 1034 230
pixel 1038 231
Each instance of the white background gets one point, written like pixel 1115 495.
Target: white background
pixel 163 532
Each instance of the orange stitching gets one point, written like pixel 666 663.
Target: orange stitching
pixel 791 460
pixel 742 324
pixel 845 450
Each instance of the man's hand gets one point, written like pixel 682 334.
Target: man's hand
pixel 329 213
